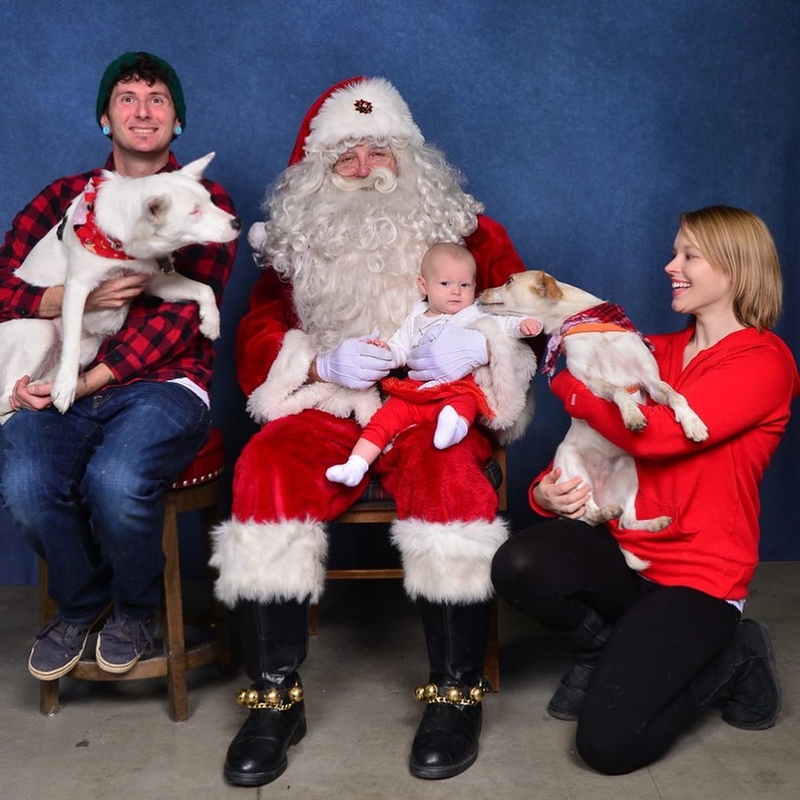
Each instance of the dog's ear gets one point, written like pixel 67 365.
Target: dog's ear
pixel 549 288
pixel 195 169
pixel 157 207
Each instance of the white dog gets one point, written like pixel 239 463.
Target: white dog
pixel 613 360
pixel 130 224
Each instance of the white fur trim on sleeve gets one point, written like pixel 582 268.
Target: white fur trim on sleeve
pixel 268 562
pixel 448 562
pixel 506 381
pixel 286 392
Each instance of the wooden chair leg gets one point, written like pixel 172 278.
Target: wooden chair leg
pixel 174 643
pixel 218 612
pixel 48 690
pixel 313 619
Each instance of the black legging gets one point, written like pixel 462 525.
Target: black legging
pixel 664 661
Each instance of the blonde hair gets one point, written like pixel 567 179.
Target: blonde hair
pixel 739 244
pixel 455 251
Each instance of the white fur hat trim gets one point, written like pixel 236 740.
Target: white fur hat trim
pixel 371 108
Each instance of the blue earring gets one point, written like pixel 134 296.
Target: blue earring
pixel 106 130
pixel 178 130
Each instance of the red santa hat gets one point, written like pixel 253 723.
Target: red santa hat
pixel 357 108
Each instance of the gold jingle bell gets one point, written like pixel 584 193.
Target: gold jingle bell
pixel 476 694
pixel 273 697
pixel 251 696
pixel 296 694
pixel 453 694
pixel 431 691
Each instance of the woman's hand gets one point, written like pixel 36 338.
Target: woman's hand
pixel 567 499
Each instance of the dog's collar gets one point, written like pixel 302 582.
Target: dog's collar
pixel 602 317
pixel 85 225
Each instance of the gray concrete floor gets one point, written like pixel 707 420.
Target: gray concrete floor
pixel 117 741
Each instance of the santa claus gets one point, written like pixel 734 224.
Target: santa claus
pixel 347 224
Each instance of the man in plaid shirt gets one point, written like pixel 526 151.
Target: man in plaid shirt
pixel 86 487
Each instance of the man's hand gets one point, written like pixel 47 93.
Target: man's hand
pixel 355 363
pixel 567 499
pixel 32 397
pixel 116 292
pixel 113 293
pixel 447 353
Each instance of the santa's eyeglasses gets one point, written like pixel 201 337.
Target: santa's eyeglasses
pixel 349 163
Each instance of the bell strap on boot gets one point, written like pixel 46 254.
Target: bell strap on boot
pixel 274 640
pixel 447 739
pixel 586 641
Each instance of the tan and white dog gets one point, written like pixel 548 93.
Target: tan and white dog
pixel 614 361
pixel 116 224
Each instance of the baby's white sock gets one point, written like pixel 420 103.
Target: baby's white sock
pixel 350 473
pixel 450 428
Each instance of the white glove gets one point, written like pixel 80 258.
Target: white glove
pixel 355 363
pixel 447 353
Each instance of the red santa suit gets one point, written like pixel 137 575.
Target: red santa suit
pixel 274 547
pixel 342 259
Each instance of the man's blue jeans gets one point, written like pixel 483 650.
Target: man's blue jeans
pixel 87 490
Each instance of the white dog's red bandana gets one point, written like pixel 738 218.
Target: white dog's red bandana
pixel 85 225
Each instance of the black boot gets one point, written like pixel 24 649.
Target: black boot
pixel 274 640
pixel 745 676
pixel 446 742
pixel 586 641
pixel 754 695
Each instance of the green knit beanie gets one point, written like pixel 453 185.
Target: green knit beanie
pixel 128 60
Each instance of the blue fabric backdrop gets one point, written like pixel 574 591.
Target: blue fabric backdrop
pixel 585 126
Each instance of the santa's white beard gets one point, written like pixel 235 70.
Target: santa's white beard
pixel 354 267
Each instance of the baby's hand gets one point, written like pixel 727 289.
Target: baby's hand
pixel 377 343
pixel 530 326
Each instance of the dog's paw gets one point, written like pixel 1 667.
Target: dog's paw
pixel 63 392
pixel 599 516
pixel 210 323
pixel 634 420
pixel 657 524
pixel 694 428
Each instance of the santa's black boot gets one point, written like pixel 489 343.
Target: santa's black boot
pixel 446 742
pixel 586 642
pixel 274 640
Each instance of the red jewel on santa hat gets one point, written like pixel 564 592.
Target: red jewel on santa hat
pixel 363 106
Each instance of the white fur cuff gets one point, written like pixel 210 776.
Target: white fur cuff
pixel 267 562
pixel 286 392
pixel 448 562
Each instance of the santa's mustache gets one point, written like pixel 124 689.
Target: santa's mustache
pixel 381 179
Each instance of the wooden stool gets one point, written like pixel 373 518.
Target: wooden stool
pixel 382 509
pixel 197 489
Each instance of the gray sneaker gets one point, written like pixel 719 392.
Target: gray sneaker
pixel 122 642
pixel 58 648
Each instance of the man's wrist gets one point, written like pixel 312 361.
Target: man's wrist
pixel 50 304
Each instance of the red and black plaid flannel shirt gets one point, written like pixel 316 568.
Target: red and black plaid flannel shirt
pixel 159 340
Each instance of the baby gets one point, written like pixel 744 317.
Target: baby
pixel 447 279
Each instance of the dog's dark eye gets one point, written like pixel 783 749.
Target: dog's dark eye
pixel 510 281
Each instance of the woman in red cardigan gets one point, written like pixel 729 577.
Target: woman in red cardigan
pixel 654 648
